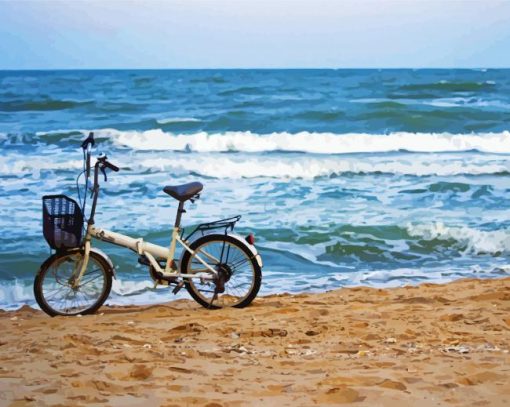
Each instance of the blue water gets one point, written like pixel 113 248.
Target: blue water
pixel 346 177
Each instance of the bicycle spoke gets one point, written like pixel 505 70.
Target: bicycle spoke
pixel 82 283
pixel 56 292
pixel 239 263
pixel 87 273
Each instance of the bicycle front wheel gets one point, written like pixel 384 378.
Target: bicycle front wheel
pixel 240 272
pixel 54 290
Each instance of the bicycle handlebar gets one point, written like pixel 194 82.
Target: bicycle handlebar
pixel 87 145
pixel 110 166
pixel 88 141
pixel 102 164
pixel 102 160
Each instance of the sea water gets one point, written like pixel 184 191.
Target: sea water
pixel 346 177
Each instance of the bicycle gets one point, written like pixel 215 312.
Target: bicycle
pixel 218 269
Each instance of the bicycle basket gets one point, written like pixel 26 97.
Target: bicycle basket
pixel 62 222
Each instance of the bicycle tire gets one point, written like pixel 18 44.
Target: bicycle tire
pixel 56 260
pixel 197 246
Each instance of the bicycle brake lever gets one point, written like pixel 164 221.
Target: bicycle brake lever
pixel 103 170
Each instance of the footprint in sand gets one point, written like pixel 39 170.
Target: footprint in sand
pixel 339 395
pixel 482 377
pixel 392 384
pixel 140 372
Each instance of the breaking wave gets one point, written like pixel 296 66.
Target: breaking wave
pixel 308 142
pixel 466 239
pixel 214 165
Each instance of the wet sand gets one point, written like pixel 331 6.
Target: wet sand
pixel 428 345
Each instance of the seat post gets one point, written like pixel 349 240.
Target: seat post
pixel 180 211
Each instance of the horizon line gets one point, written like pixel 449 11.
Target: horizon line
pixel 252 68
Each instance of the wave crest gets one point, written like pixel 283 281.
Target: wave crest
pixel 466 239
pixel 307 168
pixel 308 142
pixel 282 167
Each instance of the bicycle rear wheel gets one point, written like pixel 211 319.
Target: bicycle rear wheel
pixel 53 285
pixel 240 271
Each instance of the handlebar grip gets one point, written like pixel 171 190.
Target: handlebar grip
pixel 111 166
pixel 89 140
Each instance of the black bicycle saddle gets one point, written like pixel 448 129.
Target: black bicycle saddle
pixel 183 192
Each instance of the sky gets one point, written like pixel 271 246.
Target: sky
pixel 111 34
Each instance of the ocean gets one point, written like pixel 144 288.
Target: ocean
pixel 346 177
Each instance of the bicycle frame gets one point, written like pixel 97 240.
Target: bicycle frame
pixel 151 251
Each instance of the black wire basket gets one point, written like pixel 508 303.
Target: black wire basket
pixel 62 222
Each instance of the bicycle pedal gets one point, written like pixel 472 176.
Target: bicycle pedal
pixel 178 287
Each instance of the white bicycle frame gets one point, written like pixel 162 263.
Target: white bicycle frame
pixel 150 251
pixel 153 253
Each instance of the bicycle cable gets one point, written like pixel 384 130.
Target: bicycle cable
pixel 82 203
pixel 86 185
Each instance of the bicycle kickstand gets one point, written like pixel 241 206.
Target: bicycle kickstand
pixel 214 297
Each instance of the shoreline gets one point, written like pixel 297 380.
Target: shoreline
pixel 429 344
pixel 163 297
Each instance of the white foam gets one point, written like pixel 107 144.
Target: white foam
pixel 15 293
pixel 59 131
pixel 19 165
pixel 311 167
pixel 473 240
pixel 318 143
pixel 271 166
pixel 467 102
pixel 177 120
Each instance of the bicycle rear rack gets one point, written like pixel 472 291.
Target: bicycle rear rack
pixel 227 223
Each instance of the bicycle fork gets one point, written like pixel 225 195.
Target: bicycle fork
pixel 81 266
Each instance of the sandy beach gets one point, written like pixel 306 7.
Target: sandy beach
pixel 412 346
